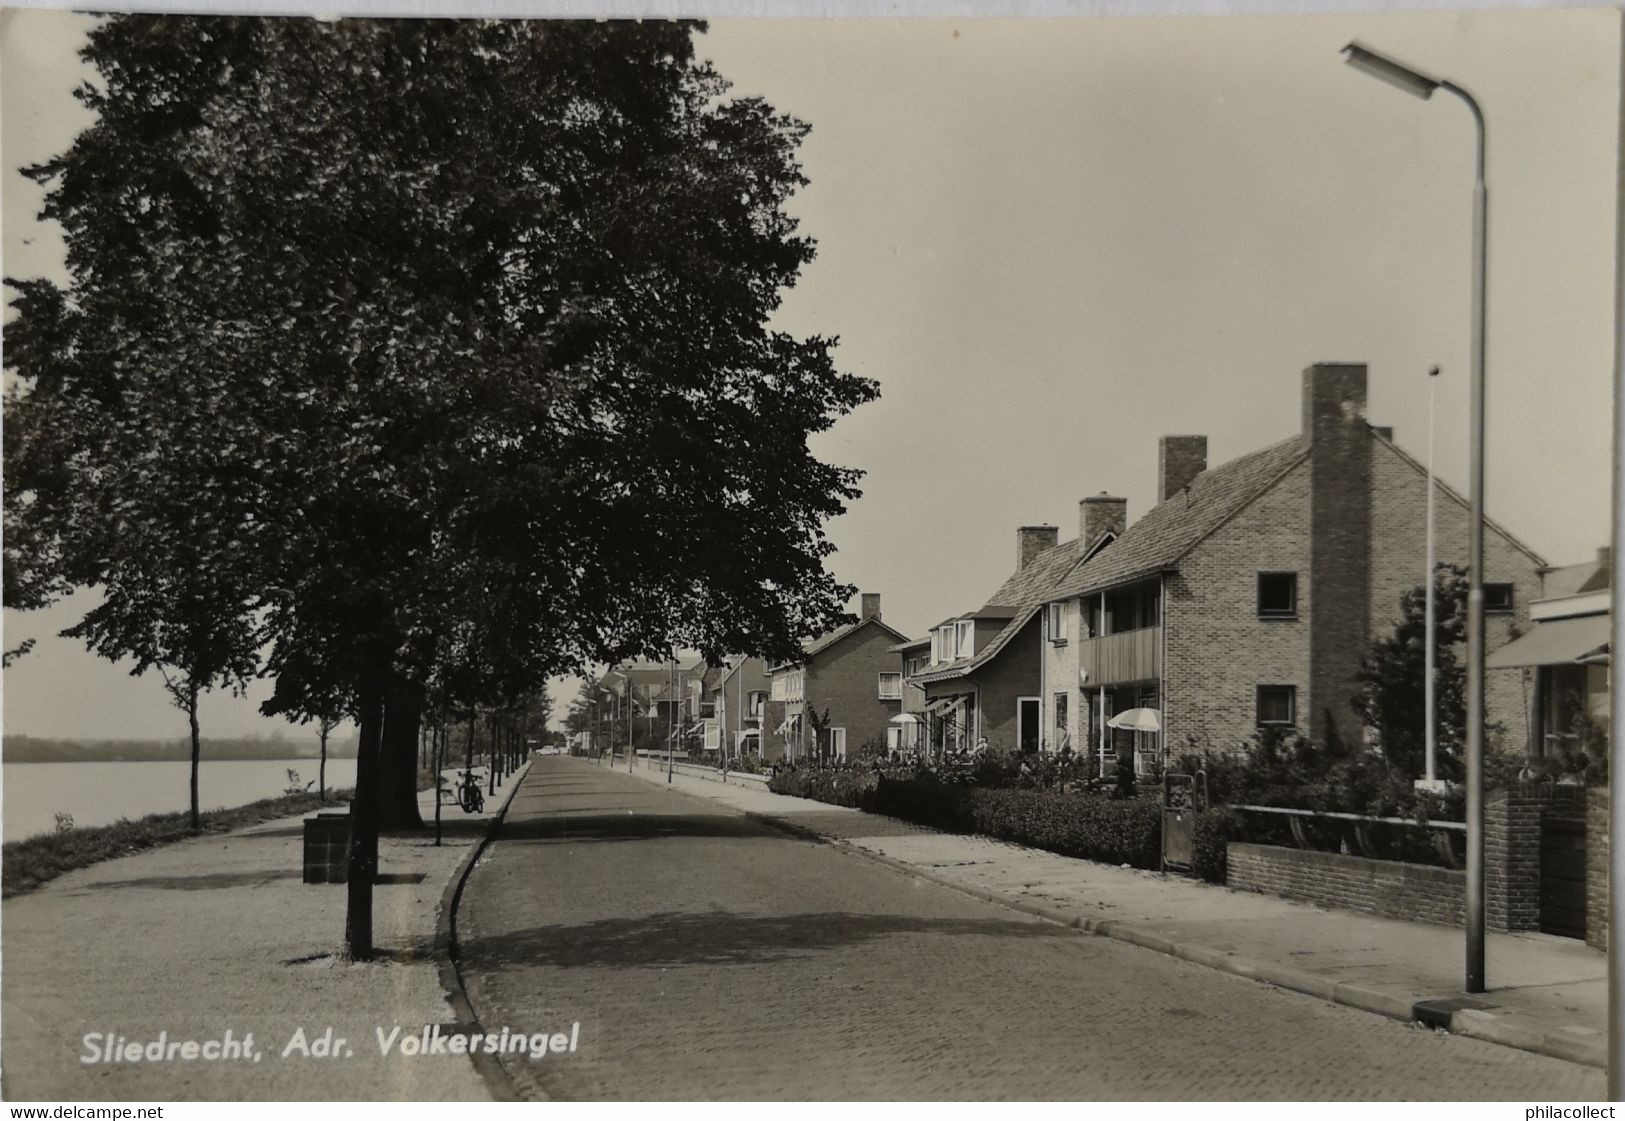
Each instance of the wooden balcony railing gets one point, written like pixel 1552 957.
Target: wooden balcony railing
pixel 1114 659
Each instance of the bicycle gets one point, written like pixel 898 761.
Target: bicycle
pixel 469 794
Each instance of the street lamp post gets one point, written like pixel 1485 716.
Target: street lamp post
pixel 1420 85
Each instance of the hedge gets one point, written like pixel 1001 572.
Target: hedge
pixel 1091 826
pixel 840 786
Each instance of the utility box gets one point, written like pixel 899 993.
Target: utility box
pixel 327 848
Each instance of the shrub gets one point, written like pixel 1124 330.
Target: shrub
pixel 837 785
pixel 1211 831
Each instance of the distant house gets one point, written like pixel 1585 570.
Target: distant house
pixel 851 674
pixel 699 725
pixel 906 732
pixel 747 716
pixel 1246 598
pixel 982 672
pixel 1567 652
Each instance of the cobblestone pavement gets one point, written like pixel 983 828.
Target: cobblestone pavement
pixel 707 955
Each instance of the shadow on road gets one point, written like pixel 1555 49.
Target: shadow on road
pixel 720 938
pixel 590 824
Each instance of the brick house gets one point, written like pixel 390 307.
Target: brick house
pixel 1566 654
pixel 699 727
pixel 852 674
pixel 636 700
pixel 981 676
pixel 1247 596
pixel 747 713
pixel 907 733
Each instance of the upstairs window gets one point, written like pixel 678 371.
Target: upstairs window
pixel 1057 623
pixel 964 638
pixel 1277 704
pixel 1498 599
pixel 757 705
pixel 1277 595
pixel 891 686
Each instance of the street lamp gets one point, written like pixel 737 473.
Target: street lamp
pixel 1420 85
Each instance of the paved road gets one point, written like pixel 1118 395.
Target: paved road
pixel 707 955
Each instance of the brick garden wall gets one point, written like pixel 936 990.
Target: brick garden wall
pixel 1512 857
pixel 1386 888
pixel 1597 869
pixel 1392 889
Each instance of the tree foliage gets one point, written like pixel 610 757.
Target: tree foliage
pixel 1393 675
pixel 424 354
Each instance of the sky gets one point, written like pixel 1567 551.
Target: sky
pixel 1052 242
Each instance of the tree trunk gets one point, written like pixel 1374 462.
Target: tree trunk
pixel 197 751
pixel 398 756
pixel 364 826
pixel 441 747
pixel 493 776
pixel 321 771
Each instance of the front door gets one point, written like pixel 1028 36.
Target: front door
pixel 1027 723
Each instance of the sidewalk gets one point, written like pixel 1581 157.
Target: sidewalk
pixel 1547 994
pixel 219 933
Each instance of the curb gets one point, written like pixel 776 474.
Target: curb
pixel 1473 1023
pixel 445 951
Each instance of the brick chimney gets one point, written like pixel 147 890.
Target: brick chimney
pixel 1098 513
pixel 870 606
pixel 1179 460
pixel 1335 429
pixel 1032 540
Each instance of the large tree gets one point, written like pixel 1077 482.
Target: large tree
pixel 484 311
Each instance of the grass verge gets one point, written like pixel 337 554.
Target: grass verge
pixel 36 860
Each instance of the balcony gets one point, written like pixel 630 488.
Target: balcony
pixel 1116 659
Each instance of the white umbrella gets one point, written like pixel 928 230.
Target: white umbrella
pixel 1137 720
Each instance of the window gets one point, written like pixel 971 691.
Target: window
pixel 964 638
pixel 1498 598
pixel 757 705
pixel 1061 742
pixel 942 644
pixel 837 743
pixel 780 686
pixel 1277 595
pixel 1057 623
pixel 1277 704
pixel 891 686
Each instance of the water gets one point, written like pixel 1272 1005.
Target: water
pixel 101 793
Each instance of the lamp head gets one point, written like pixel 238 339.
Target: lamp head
pixel 1394 73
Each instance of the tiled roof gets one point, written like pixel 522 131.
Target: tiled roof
pixel 1169 529
pixel 1027 586
pixel 830 638
pixel 1017 599
pixel 1575 579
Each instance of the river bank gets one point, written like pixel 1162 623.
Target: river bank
pixel 39 859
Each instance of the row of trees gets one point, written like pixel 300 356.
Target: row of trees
pixel 409 363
